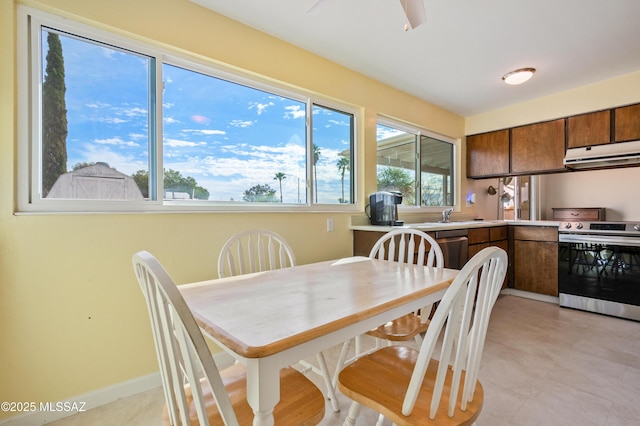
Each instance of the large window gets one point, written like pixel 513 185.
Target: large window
pixel 114 124
pixel 417 163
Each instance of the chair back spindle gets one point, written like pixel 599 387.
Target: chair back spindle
pixel 400 246
pixel 254 251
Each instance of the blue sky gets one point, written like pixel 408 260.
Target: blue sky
pixel 228 137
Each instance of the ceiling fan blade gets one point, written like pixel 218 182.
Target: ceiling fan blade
pixel 414 11
pixel 314 7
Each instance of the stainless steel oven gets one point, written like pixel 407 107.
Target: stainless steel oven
pixel 599 267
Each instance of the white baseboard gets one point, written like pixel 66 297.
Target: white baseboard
pixel 96 398
pixel 530 295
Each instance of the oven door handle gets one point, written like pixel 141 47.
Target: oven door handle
pixel 602 239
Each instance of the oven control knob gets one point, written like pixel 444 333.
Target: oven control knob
pixel 578 225
pixel 636 227
pixel 567 225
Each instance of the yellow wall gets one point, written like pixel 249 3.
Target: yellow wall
pixel 72 318
pixel 605 94
pixel 613 189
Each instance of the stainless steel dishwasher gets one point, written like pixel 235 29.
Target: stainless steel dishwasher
pixel 455 247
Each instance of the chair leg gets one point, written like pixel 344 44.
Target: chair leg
pixel 418 340
pixel 354 412
pixel 324 372
pixel 341 360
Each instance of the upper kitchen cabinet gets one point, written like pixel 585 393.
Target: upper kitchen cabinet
pixel 627 123
pixel 488 154
pixel 538 148
pixel 589 129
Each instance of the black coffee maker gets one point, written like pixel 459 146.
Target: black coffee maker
pixel 383 208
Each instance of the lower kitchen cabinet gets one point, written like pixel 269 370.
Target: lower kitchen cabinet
pixel 480 238
pixel 535 259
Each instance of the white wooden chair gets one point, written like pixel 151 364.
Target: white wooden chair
pixel 408 386
pixel 260 250
pixel 406 246
pixel 196 392
pixel 254 250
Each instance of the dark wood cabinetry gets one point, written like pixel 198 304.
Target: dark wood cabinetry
pixel 627 123
pixel 363 241
pixel 589 129
pixel 590 214
pixel 535 259
pixel 488 154
pixel 540 147
pixel 480 238
pixel 537 148
pixel 533 252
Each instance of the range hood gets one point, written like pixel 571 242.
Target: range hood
pixel 612 154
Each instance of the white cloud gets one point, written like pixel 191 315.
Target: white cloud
pixel 128 164
pixel 112 120
pixel 294 111
pixel 174 143
pixel 116 141
pixel 97 105
pixel 241 123
pixel 133 112
pixel 260 107
pixel 205 131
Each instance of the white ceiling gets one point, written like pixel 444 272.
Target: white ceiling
pixel 457 58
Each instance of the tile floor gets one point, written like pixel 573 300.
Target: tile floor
pixel 542 365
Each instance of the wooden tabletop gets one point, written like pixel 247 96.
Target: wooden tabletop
pixel 258 315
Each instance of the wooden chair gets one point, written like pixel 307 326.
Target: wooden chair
pixel 408 386
pixel 260 250
pixel 254 250
pixel 196 392
pixel 407 246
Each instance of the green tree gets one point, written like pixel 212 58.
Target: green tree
pixel 142 180
pixel 173 181
pixel 260 193
pixel 397 179
pixel 316 158
pixel 79 166
pixel 343 165
pixel 54 117
pixel 279 177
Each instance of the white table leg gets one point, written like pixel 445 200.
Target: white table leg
pixel 263 389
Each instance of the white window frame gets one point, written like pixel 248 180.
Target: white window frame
pixel 29 25
pixel 419 131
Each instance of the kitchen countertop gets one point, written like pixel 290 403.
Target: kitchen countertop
pixel 438 226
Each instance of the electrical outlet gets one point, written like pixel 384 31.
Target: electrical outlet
pixel 330 224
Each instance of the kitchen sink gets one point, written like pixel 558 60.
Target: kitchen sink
pixel 451 222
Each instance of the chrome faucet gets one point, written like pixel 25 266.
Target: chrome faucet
pixel 446 215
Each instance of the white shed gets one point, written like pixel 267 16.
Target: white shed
pixel 97 182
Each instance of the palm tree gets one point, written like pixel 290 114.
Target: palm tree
pixel 316 157
pixel 279 177
pixel 343 165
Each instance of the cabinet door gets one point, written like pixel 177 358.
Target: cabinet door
pixel 538 147
pixel 627 123
pixel 488 154
pixel 498 233
pixel 589 129
pixel 363 241
pixel 535 267
pixel 478 235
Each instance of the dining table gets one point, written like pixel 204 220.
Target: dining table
pixel 272 319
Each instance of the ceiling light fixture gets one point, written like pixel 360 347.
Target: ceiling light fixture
pixel 518 76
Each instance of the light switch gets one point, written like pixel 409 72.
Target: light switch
pixel 330 224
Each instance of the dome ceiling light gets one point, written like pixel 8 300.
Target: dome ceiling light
pixel 518 76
